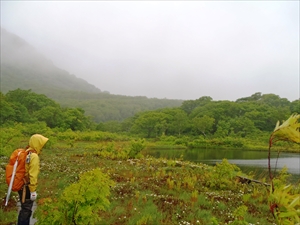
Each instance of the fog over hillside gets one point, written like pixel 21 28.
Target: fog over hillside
pixel 23 66
pixel 167 49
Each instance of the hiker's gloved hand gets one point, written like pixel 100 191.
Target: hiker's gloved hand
pixel 33 196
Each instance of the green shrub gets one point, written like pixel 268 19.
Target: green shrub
pixel 223 175
pixel 198 143
pixel 35 128
pixel 136 147
pixel 10 139
pixel 80 203
pixel 182 141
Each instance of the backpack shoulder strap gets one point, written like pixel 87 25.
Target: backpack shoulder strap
pixel 18 152
pixel 29 154
pixel 17 159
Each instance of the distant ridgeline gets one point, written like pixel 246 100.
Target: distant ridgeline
pixel 25 68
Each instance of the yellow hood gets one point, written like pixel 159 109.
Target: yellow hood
pixel 37 142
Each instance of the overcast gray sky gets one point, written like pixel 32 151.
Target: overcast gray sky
pixel 167 49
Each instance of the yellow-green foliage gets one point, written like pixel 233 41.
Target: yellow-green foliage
pixel 285 205
pixel 239 215
pixel 136 147
pixel 80 203
pixel 223 175
pixel 287 131
pixel 284 202
pixel 10 139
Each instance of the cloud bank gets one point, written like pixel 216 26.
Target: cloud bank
pixel 168 49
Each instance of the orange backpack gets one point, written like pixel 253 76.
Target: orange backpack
pixel 19 181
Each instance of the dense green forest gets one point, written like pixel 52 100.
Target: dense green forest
pixel 208 120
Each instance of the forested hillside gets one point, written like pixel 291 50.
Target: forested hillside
pixel 104 107
pixel 24 67
pixel 204 117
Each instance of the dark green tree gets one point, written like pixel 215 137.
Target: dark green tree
pixel 203 124
pixel 74 119
pixel 32 101
pixel 178 121
pixel 7 110
pixel 112 126
pixel 222 129
pixel 13 112
pixel 189 105
pixel 53 116
pixel 242 126
pixel 150 124
pixel 295 106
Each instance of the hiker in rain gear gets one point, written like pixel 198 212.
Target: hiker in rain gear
pixel 32 167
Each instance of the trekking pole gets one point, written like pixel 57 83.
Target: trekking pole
pixel 12 179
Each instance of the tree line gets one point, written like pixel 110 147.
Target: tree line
pixel 244 117
pixel 27 107
pixel 204 116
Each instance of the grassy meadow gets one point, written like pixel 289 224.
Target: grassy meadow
pixel 147 190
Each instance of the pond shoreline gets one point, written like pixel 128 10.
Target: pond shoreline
pixel 166 147
pixel 249 161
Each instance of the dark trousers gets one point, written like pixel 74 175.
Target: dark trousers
pixel 26 208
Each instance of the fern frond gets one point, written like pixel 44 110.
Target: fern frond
pixel 289 130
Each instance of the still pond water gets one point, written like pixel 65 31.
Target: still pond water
pixel 248 161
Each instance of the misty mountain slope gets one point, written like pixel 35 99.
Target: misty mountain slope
pixel 24 67
pixel 104 107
